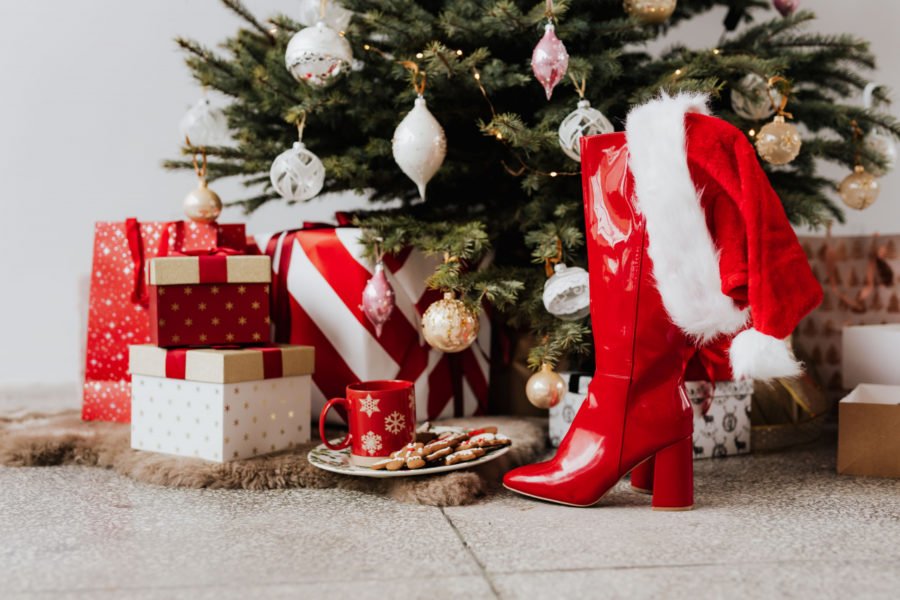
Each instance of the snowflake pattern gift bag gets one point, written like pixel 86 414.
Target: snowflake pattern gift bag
pixel 118 307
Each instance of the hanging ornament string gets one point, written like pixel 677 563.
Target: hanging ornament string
pixel 550 262
pixel 779 106
pixel 857 143
pixel 579 88
pixel 548 11
pixel 419 77
pixel 301 125
pixel 200 167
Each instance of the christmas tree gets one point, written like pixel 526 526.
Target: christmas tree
pixel 506 203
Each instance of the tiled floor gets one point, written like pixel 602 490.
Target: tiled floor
pixel 765 526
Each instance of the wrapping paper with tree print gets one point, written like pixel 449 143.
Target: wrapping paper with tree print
pixel 859 276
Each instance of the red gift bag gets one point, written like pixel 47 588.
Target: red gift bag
pixel 117 309
pixel 317 285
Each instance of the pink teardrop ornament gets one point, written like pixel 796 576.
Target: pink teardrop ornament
pixel 549 61
pixel 378 299
pixel 786 7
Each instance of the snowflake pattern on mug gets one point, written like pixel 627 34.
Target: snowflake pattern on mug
pixel 369 405
pixel 395 422
pixel 371 442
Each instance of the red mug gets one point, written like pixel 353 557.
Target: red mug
pixel 381 416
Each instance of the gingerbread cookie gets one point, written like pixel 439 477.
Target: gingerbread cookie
pixel 434 446
pixel 436 456
pixel 464 456
pixel 415 462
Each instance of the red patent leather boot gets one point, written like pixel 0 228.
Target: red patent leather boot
pixel 636 408
pixel 642 477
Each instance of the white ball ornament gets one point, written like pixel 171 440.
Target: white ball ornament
pixel 318 54
pixel 582 121
pixel 751 100
pixel 419 145
pixel 204 126
pixel 297 174
pixel 567 293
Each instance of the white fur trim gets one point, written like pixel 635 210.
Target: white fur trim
pixel 759 356
pixel 685 260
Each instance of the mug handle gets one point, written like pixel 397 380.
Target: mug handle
pixel 325 409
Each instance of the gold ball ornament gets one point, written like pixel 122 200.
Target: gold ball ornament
pixel 650 12
pixel 859 189
pixel 449 325
pixel 778 142
pixel 545 388
pixel 202 205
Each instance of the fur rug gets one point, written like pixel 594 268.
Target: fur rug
pixel 64 439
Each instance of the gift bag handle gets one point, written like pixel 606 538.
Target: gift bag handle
pixel 346 441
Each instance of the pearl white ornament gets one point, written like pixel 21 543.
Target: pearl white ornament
pixel 204 125
pixel 582 121
pixel 545 388
pixel 317 54
pixel 419 145
pixel 754 105
pixel 882 143
pixel 449 325
pixel 297 174
pixel 859 189
pixel 778 142
pixel 567 293
pixel 202 205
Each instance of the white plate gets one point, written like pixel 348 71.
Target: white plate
pixel 338 461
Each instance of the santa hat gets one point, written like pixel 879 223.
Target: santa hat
pixel 724 254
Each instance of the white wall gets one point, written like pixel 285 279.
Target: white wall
pixel 91 95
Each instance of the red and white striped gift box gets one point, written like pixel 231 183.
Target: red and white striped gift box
pixel 317 284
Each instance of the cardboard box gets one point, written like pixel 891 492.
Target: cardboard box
pixel 869 432
pixel 220 405
pixel 209 300
pixel 723 430
pixel 870 355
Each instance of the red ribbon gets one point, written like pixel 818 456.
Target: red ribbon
pixel 213 263
pixel 273 365
pixel 139 292
pixel 214 271
pixel 280 298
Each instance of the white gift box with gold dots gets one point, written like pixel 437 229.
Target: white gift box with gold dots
pixel 220 405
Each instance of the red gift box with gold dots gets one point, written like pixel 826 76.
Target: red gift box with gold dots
pixel 209 300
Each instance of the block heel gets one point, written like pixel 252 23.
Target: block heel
pixel 673 477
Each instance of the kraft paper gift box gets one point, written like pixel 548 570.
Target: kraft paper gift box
pixel 869 432
pixel 209 300
pixel 220 404
pixel 723 430
pixel 118 307
pixel 870 355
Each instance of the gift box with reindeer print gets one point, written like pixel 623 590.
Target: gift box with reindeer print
pixel 721 414
pixel 721 417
